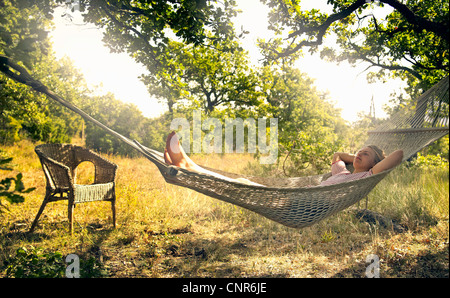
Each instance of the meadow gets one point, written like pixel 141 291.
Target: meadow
pixel 168 231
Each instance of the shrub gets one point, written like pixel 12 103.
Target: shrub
pixel 9 130
pixel 429 162
pixel 12 195
pixel 35 263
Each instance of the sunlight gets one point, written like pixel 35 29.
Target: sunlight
pixel 347 86
pixel 118 73
pixel 103 70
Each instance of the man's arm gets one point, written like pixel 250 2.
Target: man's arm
pixel 345 157
pixel 392 160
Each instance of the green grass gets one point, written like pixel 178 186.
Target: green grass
pixel 168 231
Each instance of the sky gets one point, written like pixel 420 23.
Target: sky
pixel 119 74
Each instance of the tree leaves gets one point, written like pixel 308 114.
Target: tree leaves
pixel 215 74
pixel 144 28
pixel 23 29
pixel 13 195
pixel 411 40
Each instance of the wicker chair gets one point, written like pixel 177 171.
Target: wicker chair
pixel 59 162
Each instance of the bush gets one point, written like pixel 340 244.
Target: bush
pixel 9 130
pixel 429 161
pixel 12 195
pixel 34 263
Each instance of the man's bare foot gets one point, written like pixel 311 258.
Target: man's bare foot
pixel 175 155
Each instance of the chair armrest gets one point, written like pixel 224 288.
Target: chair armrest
pixel 57 174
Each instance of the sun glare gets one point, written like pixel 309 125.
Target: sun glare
pixel 118 73
pixel 103 70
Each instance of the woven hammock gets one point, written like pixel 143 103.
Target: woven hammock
pixel 295 202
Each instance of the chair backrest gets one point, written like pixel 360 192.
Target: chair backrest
pixel 58 163
pixel 62 153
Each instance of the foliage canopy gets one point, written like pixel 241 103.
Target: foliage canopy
pixel 408 39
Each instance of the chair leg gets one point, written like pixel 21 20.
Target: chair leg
pixel 70 215
pixel 41 209
pixel 113 207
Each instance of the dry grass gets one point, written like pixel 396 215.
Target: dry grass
pixel 169 231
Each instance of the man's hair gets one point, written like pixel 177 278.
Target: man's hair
pixel 379 153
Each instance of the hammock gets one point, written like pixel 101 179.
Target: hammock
pixel 294 202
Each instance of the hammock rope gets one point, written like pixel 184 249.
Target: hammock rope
pixel 294 202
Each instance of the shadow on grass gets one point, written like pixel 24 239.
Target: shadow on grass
pixel 430 264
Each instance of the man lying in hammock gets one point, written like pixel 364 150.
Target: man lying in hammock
pixel 368 161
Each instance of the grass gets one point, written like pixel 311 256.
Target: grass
pixel 168 231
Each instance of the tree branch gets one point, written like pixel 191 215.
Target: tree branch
pixel 142 37
pixel 419 23
pixel 330 20
pixel 321 29
pixel 391 67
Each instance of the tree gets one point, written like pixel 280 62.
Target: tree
pixel 310 128
pixel 123 118
pixel 24 28
pixel 144 28
pixel 24 112
pixel 410 42
pixel 164 36
pixel 204 76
